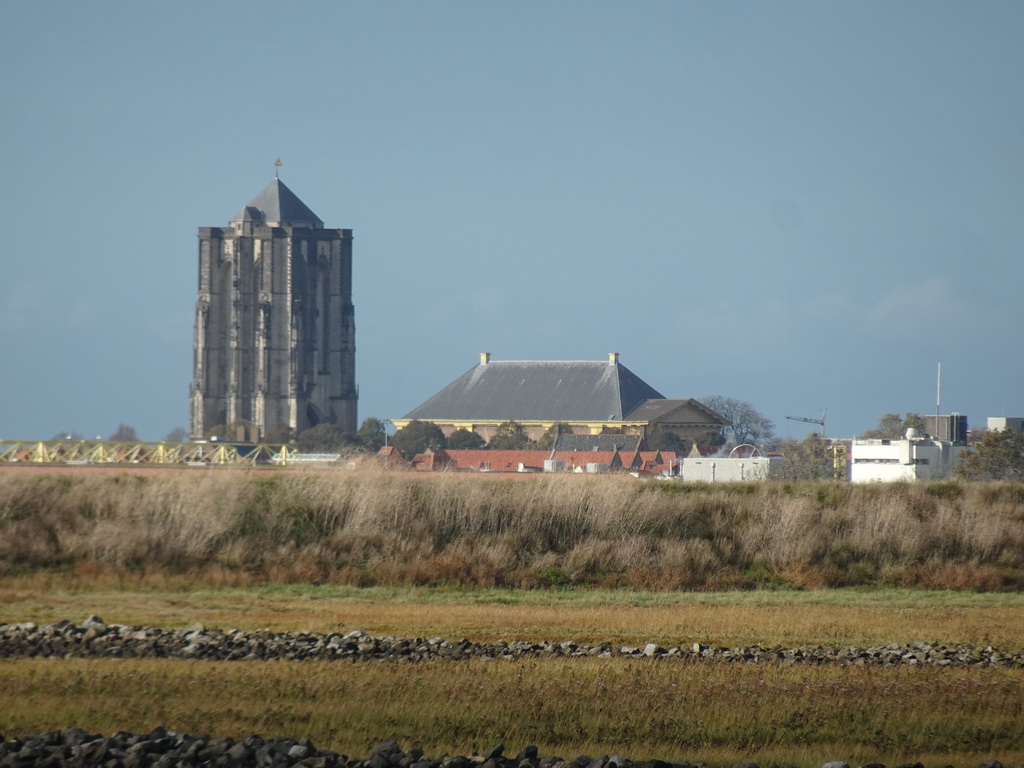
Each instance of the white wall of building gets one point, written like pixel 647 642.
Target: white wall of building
pixel 999 423
pixel 911 459
pixel 722 470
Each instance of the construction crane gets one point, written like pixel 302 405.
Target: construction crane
pixel 820 421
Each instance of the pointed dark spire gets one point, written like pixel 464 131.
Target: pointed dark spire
pixel 279 206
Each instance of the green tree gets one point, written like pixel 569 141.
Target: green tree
pixel 892 426
pixel 807 460
pixel 746 423
pixel 661 439
pixel 711 437
pixel 465 440
pixel 371 434
pixel 999 455
pixel 509 436
pixel 416 437
pixel 551 434
pixel 324 438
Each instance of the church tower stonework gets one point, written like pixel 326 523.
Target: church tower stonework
pixel 275 326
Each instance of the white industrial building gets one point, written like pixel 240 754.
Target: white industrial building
pixel 725 470
pixel 917 457
pixel 999 423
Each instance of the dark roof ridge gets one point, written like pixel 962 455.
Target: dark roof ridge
pixel 552 362
pixel 555 390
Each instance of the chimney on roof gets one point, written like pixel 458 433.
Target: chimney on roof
pixel 613 357
pixel 485 358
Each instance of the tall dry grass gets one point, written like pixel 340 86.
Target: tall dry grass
pixel 372 527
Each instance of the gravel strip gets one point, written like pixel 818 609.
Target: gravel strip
pixel 95 639
pixel 162 748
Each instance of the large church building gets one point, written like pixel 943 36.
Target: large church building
pixel 275 326
pixel 582 397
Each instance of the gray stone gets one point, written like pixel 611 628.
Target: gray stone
pixel 299 752
pixel 494 751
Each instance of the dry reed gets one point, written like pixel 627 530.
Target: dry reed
pixel 372 527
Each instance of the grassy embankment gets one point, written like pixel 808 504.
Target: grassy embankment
pixel 168 552
pixel 367 528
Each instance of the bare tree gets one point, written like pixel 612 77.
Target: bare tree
pixel 125 433
pixel 68 436
pixel 749 425
pixel 807 460
pixel 176 435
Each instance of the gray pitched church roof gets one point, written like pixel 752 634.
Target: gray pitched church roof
pixel 538 391
pixel 656 410
pixel 278 206
pixel 598 443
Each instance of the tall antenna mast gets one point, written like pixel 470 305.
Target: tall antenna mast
pixel 938 392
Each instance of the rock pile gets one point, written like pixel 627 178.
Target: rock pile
pixel 95 639
pixel 162 748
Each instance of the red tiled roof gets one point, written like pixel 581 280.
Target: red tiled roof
pixel 631 459
pixel 391 458
pixel 484 460
pixel 431 461
pixel 657 462
pixel 495 461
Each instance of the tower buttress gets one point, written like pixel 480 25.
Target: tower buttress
pixel 274 347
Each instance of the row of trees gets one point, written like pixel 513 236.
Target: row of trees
pixel 418 436
pixel 997 456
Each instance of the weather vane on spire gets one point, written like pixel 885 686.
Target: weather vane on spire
pixel 277 165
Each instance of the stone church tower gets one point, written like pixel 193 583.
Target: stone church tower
pixel 275 338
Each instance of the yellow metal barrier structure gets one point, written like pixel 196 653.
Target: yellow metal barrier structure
pixel 840 459
pixel 100 452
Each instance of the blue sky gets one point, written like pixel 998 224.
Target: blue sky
pixel 803 205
